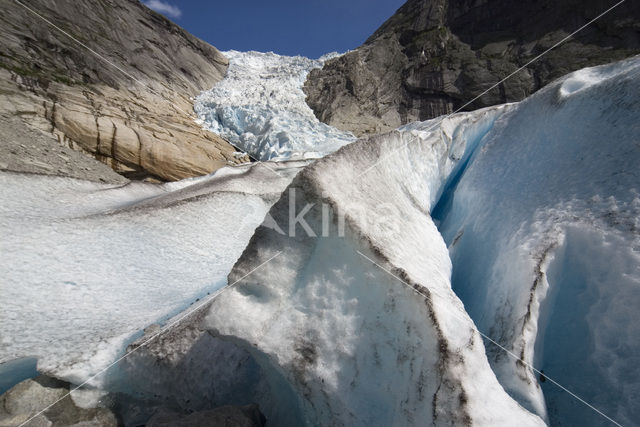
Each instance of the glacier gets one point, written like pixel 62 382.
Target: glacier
pixel 260 108
pixel 339 341
pixel 415 277
pixel 359 345
pixel 394 318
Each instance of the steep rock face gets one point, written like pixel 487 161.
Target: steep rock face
pixel 138 119
pixel 434 56
pixel 28 150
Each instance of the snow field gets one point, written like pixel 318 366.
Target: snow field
pixel 86 266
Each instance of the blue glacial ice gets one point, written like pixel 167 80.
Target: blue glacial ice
pixel 260 108
pixel 543 228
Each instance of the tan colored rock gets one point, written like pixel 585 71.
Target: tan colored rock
pixel 140 121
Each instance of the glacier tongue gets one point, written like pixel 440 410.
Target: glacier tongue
pixel 344 311
pixel 259 107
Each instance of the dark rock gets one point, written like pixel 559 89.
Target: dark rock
pixel 433 57
pixel 225 416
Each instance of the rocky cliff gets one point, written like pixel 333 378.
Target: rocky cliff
pixel 433 56
pixel 114 80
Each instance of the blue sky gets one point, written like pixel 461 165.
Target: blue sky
pixel 288 27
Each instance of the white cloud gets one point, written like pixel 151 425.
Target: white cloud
pixel 163 7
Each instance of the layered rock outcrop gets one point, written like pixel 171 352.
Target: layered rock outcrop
pixel 434 56
pixel 127 101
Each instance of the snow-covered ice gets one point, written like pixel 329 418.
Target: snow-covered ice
pixel 259 107
pixel 85 266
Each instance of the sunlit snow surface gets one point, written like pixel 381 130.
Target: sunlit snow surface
pixel 85 266
pixel 259 107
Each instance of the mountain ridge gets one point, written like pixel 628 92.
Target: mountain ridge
pixel 433 56
pixel 120 91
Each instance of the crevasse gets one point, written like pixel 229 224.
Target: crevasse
pixel 543 232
